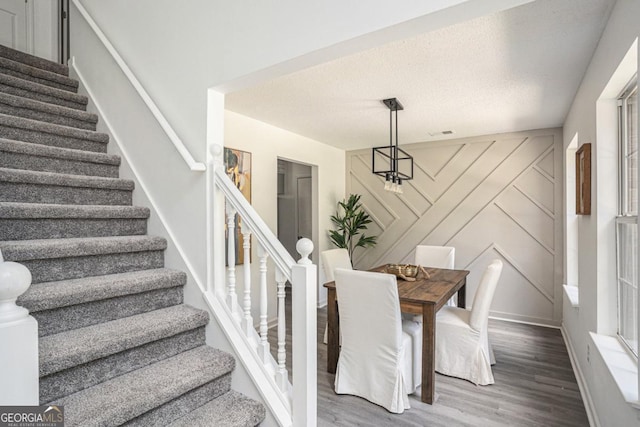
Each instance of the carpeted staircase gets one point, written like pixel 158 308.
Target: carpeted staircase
pixel 117 344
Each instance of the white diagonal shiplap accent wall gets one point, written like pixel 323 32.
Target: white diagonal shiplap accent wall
pixel 495 196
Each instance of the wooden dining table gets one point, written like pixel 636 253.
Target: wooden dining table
pixel 425 296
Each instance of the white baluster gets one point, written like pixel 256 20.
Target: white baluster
pixel 232 298
pixel 282 378
pixel 247 319
pixel 263 348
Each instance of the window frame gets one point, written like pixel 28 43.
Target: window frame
pixel 626 215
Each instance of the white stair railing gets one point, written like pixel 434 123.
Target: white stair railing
pixel 299 396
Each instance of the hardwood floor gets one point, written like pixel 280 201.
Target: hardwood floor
pixel 535 386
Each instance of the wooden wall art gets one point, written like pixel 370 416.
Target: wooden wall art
pixel 583 180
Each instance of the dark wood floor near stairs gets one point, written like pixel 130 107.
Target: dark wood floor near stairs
pixel 535 386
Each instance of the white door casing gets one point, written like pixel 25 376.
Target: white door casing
pixel 304 206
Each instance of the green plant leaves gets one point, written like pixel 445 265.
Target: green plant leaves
pixel 351 220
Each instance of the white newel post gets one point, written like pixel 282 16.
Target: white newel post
pixel 304 299
pixel 18 339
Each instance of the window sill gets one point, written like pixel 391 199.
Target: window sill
pixel 622 366
pixel 572 295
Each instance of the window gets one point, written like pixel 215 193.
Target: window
pixel 627 221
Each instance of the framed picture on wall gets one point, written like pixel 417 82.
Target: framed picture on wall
pixel 238 168
pixel 583 180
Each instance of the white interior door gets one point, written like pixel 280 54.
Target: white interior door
pixel 13 24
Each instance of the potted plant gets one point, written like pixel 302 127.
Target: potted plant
pixel 351 221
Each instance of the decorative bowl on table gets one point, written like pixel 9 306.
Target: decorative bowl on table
pixel 402 270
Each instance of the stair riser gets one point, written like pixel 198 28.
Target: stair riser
pixel 78 316
pixel 42 81
pixel 16 91
pixel 36 137
pixel 48 270
pixel 48 164
pixel 54 228
pixel 34 193
pixel 69 381
pixel 184 404
pixel 33 61
pixel 46 117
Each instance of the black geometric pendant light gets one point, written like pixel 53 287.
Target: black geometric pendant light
pixel 390 161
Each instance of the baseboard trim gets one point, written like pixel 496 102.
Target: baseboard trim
pixel 582 384
pixel 535 321
pixel 524 322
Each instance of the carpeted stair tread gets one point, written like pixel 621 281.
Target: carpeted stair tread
pixel 34 61
pixel 64 293
pixel 44 158
pixel 37 210
pixel 58 152
pixel 232 409
pixel 46 112
pixel 24 250
pixel 121 399
pixel 53 129
pixel 79 346
pixel 28 221
pixel 69 381
pixel 7 121
pixel 64 180
pixel 38 75
pixel 21 87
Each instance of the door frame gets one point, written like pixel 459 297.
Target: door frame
pixel 314 207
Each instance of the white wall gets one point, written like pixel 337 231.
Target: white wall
pixel 592 118
pixel 492 196
pixel 178 49
pixel 178 192
pixel 268 143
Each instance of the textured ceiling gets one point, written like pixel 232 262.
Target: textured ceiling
pixel 514 70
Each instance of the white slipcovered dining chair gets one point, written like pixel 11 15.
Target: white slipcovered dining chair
pixel 462 341
pixel 376 357
pixel 332 259
pixel 435 256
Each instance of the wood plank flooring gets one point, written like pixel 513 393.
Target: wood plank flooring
pixel 535 386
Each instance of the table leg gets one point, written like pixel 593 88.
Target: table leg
pixel 333 332
pixel 462 295
pixel 428 352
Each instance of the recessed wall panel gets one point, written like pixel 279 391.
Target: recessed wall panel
pixel 494 196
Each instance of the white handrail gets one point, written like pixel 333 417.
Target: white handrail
pixel 173 136
pixel 279 255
